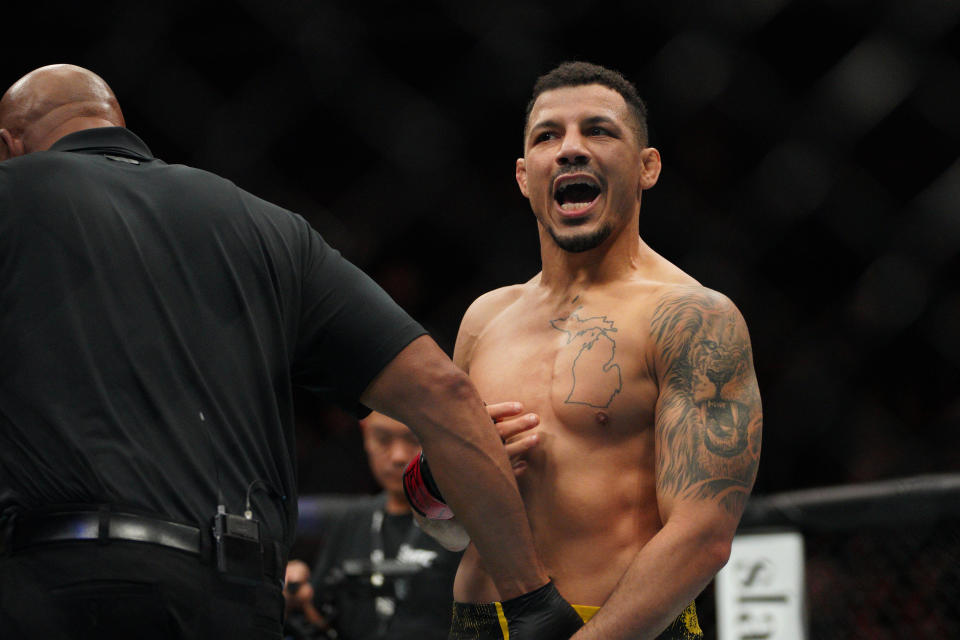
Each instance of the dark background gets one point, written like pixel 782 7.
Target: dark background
pixel 810 173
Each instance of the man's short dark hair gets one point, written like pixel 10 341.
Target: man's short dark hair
pixel 575 74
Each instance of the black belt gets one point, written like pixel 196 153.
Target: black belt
pixel 30 529
pixel 68 526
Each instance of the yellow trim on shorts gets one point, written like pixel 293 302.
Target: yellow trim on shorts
pixel 690 619
pixel 689 616
pixel 504 629
pixel 586 611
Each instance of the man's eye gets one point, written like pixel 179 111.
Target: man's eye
pixel 544 136
pixel 598 131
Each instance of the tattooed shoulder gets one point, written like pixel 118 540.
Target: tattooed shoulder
pixel 709 415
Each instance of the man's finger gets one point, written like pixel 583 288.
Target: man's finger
pixel 519 447
pixel 513 426
pixel 500 410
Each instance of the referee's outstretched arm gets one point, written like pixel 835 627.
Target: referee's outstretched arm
pixel 422 388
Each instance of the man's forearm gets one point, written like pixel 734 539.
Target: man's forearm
pixel 472 470
pixel 667 575
pixel 423 389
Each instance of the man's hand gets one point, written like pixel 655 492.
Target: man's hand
pixel 513 425
pixel 298 593
pixel 297 589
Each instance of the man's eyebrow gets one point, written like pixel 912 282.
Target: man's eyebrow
pixel 601 120
pixel 544 124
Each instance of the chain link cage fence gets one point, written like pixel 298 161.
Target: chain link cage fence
pixel 882 559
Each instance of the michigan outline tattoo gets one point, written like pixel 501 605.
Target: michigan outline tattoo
pixel 709 420
pixel 596 329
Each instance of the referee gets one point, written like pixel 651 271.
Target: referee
pixel 153 321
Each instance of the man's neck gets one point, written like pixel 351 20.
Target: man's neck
pixel 46 139
pixel 396 505
pixel 613 260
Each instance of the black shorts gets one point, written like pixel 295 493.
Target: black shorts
pixel 486 622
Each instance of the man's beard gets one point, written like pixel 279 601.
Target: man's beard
pixel 582 242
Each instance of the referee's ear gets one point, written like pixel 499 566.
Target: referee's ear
pixel 10 147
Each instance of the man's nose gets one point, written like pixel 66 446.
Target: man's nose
pixel 401 453
pixel 572 150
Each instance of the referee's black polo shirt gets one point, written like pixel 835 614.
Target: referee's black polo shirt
pixel 153 319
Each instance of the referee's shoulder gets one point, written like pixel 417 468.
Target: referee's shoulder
pixel 215 185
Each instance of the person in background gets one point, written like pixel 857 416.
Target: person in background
pixel 377 574
pixel 302 620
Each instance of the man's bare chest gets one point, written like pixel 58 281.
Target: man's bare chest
pixel 583 368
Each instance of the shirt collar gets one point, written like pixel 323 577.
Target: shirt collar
pixel 98 140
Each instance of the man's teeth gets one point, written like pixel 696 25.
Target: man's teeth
pixel 577 195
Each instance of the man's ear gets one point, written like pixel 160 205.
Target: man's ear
pixel 4 145
pixel 522 177
pixel 10 147
pixel 650 167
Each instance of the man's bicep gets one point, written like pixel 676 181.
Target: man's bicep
pixel 708 417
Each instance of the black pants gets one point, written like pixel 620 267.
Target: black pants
pixel 80 590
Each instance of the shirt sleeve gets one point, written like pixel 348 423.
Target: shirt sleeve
pixel 349 328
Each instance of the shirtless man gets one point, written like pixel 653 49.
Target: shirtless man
pixel 645 441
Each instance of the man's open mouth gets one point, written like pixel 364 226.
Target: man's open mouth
pixel 576 194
